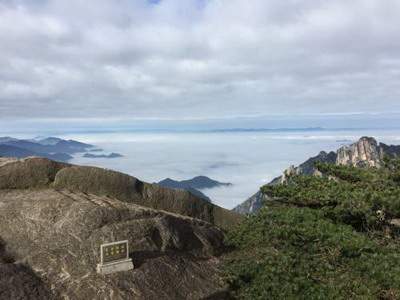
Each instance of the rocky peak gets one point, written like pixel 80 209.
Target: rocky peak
pixel 292 170
pixel 364 153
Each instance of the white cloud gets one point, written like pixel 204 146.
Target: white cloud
pixel 197 59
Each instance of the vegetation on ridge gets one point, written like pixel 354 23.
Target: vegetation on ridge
pixel 329 237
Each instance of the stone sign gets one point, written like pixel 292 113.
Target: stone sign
pixel 114 257
pixel 114 252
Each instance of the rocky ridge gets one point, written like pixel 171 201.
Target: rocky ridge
pixel 55 216
pixel 366 152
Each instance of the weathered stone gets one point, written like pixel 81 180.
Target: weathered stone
pixel 33 172
pixel 18 281
pixel 58 235
pixel 130 189
pixel 100 182
pixel 365 153
pixel 54 217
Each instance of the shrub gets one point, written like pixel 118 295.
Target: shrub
pixel 323 237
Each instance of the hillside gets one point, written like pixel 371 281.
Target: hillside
pixel 334 236
pixel 54 216
pixel 194 185
pixel 366 152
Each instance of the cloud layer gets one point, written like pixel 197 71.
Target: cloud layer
pixel 197 58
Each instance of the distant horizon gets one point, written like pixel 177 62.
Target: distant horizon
pixel 42 134
pixel 283 122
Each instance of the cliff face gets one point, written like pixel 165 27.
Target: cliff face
pixel 251 205
pixel 54 217
pixel 366 152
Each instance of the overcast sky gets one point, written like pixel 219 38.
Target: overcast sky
pixel 197 59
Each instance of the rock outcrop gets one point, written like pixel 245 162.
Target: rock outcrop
pixel 251 205
pixel 41 173
pixel 17 281
pixel 28 173
pixel 54 217
pixel 366 152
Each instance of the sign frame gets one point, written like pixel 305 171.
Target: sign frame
pixel 122 263
pixel 104 246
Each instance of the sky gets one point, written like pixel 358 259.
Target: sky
pixel 214 61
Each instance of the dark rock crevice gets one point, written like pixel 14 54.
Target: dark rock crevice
pixel 19 281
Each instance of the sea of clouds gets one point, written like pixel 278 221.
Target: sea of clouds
pixel 246 159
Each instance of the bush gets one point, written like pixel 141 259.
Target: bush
pixel 321 238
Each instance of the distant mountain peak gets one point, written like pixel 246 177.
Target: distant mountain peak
pixel 48 140
pixel 201 177
pixel 198 182
pixel 168 179
pixel 204 182
pixel 365 152
pixel 193 185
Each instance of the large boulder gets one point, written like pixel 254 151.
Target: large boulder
pixel 28 173
pixel 57 235
pixel 130 189
pixel 100 182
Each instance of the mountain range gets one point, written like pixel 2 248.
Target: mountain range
pixel 51 147
pixel 366 152
pixel 194 185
